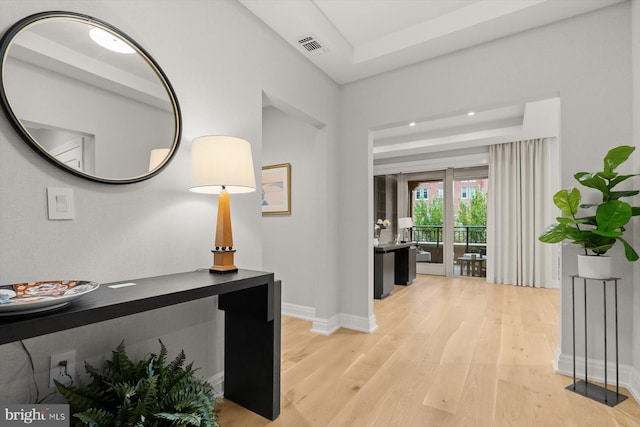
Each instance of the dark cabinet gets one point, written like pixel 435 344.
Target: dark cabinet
pixel 393 264
pixel 383 274
pixel 405 265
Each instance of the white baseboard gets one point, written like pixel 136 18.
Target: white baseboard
pixel 217 381
pixel 358 323
pixel 342 320
pixel 326 326
pixel 628 377
pixel 298 311
pixel 634 387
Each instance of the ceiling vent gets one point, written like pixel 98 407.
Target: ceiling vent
pixel 311 45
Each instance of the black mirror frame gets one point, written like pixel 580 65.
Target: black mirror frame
pixel 5 43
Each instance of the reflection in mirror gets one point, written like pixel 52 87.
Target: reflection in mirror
pixel 96 111
pixel 157 156
pixel 73 148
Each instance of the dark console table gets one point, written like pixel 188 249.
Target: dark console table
pixel 394 263
pixel 250 299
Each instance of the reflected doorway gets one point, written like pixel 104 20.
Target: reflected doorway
pixel 73 148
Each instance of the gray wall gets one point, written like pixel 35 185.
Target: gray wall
pixel 289 241
pixel 586 61
pixel 220 59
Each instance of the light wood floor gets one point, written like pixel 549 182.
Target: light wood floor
pixel 447 352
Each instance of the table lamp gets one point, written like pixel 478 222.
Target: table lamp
pixel 222 165
pixel 404 224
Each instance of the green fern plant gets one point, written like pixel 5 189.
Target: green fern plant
pixel 151 393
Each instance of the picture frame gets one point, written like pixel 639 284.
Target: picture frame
pixel 276 189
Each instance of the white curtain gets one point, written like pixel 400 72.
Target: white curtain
pixel 518 211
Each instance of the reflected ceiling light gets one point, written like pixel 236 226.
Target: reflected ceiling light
pixel 412 124
pixel 110 41
pixel 471 113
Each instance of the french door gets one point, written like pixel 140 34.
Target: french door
pixel 430 198
pixel 446 207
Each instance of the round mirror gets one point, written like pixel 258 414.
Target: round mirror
pixel 88 98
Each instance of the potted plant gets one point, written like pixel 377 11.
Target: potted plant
pixel 148 393
pixel 596 233
pixel 378 227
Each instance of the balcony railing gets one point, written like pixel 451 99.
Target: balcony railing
pixel 470 235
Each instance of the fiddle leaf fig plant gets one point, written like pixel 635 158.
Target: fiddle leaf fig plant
pixel 596 233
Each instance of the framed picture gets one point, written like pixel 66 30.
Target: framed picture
pixel 276 189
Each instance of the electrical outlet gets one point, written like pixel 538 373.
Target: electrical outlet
pixel 58 372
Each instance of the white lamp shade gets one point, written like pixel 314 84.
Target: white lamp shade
pixel 222 161
pixel 405 222
pixel 157 156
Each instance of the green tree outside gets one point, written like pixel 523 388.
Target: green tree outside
pixel 475 212
pixel 470 214
pixel 428 213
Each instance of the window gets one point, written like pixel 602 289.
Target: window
pixel 465 193
pixel 472 192
pixel 425 193
pixel 418 194
pixel 440 192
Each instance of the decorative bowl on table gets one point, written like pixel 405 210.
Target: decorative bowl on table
pixel 24 298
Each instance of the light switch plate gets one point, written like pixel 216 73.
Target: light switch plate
pixel 60 203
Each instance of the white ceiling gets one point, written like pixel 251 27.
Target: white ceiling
pixel 361 38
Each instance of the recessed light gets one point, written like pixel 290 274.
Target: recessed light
pixel 471 113
pixel 110 41
pixel 412 124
